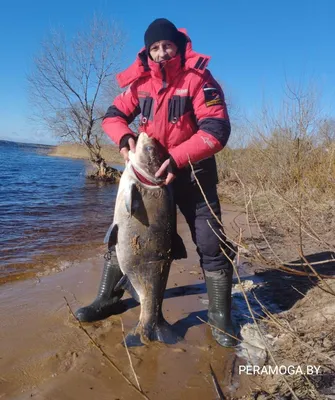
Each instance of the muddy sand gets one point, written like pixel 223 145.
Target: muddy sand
pixel 45 355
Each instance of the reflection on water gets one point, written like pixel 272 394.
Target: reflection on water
pixel 47 207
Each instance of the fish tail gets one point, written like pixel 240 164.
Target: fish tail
pixel 160 332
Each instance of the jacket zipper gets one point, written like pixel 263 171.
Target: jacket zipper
pixel 164 84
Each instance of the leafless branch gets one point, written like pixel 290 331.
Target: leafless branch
pixel 67 83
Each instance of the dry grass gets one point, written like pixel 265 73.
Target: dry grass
pixel 284 177
pixel 301 336
pixel 287 169
pixel 286 185
pixel 72 150
pixel 291 184
pixel 282 163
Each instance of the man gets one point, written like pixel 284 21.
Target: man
pixel 183 107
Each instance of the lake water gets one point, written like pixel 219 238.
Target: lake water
pixel 49 211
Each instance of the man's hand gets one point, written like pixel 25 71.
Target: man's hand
pixel 170 176
pixel 132 147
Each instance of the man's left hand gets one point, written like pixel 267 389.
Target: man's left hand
pixel 170 176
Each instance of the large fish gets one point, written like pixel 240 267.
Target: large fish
pixel 143 231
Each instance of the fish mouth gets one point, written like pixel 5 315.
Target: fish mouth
pixel 144 177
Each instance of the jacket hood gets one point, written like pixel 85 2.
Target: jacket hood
pixel 143 66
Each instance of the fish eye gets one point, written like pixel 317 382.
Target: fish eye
pixel 149 148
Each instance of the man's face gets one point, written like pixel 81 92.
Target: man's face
pixel 163 50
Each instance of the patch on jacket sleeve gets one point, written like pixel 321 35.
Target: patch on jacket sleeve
pixel 212 96
pixel 207 141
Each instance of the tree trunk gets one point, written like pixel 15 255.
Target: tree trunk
pixel 104 172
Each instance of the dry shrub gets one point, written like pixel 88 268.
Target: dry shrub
pixel 285 179
pixel 281 163
pixel 287 169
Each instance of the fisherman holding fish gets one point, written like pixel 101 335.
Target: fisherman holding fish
pixel 182 106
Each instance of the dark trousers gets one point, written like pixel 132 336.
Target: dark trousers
pixel 192 205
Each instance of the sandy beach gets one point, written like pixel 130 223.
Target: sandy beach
pixel 45 355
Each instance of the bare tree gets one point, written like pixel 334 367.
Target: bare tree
pixel 67 83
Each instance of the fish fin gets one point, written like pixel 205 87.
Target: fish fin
pixel 178 249
pixel 162 332
pixel 125 284
pixel 131 198
pixel 133 339
pixel 111 235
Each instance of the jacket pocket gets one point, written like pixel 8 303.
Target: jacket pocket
pixel 179 106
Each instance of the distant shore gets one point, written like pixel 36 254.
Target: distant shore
pixel 72 150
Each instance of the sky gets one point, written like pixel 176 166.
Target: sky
pixel 255 47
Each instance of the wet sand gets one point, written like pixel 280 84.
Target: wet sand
pixel 45 355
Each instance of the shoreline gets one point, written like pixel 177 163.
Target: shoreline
pixel 76 151
pixel 46 264
pixel 53 358
pixel 45 354
pixel 43 265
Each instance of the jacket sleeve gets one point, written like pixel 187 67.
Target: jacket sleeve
pixel 120 114
pixel 213 125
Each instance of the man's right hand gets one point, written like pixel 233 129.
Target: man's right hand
pixel 130 147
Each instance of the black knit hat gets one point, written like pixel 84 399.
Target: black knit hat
pixel 163 29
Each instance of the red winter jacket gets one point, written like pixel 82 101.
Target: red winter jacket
pixel 182 106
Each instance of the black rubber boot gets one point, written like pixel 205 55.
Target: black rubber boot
pixel 107 301
pixel 219 285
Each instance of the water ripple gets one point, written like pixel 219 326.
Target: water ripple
pixel 47 206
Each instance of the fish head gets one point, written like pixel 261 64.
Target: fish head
pixel 149 154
